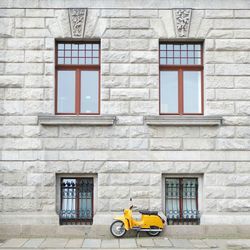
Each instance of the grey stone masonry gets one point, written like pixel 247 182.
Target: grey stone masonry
pixel 129 148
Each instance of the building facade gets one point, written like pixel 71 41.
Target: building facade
pixel 106 100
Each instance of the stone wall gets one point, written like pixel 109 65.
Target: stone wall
pixel 129 158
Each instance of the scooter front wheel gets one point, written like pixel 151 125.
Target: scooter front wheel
pixel 117 229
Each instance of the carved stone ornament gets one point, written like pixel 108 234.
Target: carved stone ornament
pixel 182 19
pixel 77 22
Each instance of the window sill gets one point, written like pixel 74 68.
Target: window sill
pixel 98 120
pixel 183 120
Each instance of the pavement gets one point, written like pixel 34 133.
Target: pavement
pixel 143 243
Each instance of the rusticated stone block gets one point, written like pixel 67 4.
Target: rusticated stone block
pixel 23 68
pixel 25 43
pixel 200 144
pixel 124 23
pixel 237 205
pixel 243 108
pixel 114 192
pixel 129 94
pixel 165 144
pixel 112 167
pixel 219 13
pixel 115 57
pixel 144 57
pixel 116 13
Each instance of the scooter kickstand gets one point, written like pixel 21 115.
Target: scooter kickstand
pixel 138 234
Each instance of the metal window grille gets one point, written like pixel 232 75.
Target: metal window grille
pixel 76 201
pixel 182 201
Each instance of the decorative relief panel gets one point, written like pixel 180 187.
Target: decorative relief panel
pixel 77 22
pixel 182 18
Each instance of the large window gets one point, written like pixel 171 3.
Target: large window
pixel 181 78
pixel 76 201
pixel 77 78
pixel 181 197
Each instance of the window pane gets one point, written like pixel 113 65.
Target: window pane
pixel 68 53
pixel 68 46
pixel 177 61
pixel 67 61
pixel 170 46
pixel 169 91
pixel 163 54
pixel 82 46
pixel 74 60
pixel 82 53
pixel 61 53
pixel 75 46
pixel 88 54
pixel 88 47
pixel 89 91
pixel 163 46
pixel 184 47
pixel 170 53
pixel 74 53
pixel 177 54
pixel 95 61
pixel 192 91
pixel 60 60
pixel 60 46
pixel 96 46
pixel 66 92
pixel 163 61
pixel 183 61
pixel 88 60
pixel 197 47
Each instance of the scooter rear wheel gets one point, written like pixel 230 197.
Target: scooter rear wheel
pixel 154 233
pixel 117 229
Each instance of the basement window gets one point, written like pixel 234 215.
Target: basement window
pixel 181 201
pixel 76 201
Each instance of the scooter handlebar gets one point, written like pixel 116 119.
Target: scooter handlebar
pixel 132 207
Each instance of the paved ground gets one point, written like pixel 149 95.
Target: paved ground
pixel 131 243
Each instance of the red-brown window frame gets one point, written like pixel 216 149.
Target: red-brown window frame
pixel 180 69
pixel 77 68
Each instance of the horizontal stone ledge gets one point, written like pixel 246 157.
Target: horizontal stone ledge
pixel 136 4
pixel 183 120
pixel 100 120
pixel 125 155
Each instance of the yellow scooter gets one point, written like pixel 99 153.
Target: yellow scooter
pixel 152 222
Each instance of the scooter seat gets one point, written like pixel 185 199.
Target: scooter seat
pixel 148 212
